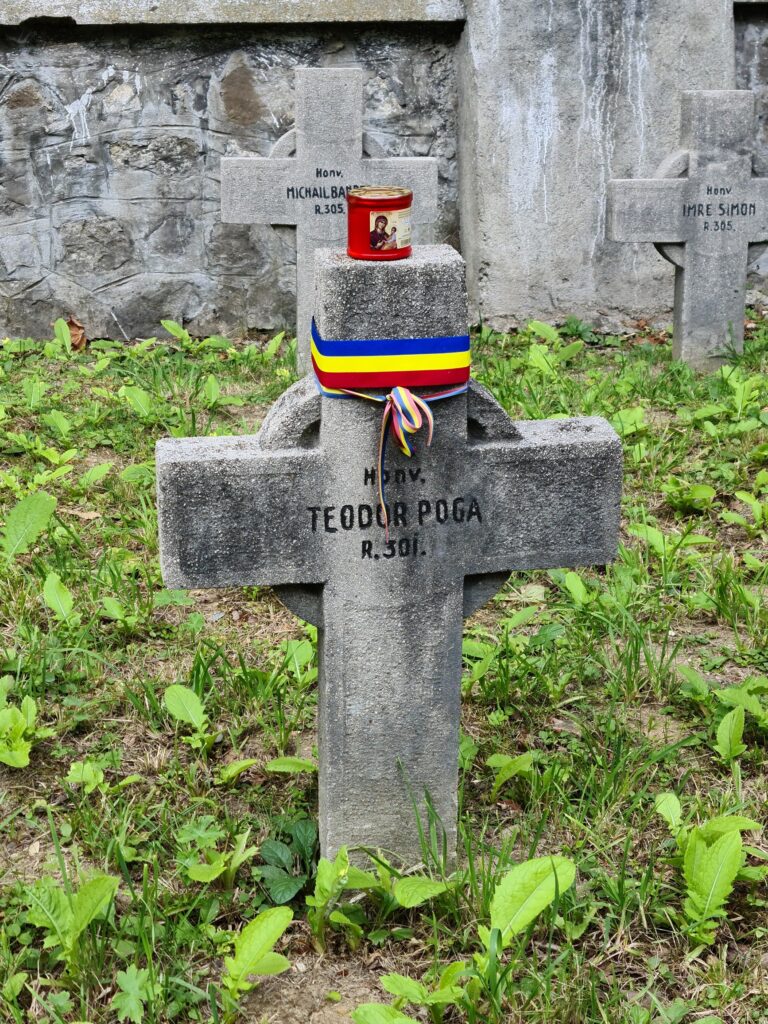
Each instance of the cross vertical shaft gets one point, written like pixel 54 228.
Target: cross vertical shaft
pixel 329 140
pixel 389 722
pixel 696 310
pixel 390 646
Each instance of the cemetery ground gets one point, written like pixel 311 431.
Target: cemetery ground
pixel 157 753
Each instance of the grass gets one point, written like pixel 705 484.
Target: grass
pixel 615 683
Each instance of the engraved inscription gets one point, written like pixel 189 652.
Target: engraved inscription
pixel 719 216
pixel 398 475
pixel 344 518
pixel 333 194
pixel 405 547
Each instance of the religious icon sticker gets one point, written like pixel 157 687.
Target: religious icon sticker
pixel 379 223
pixel 391 230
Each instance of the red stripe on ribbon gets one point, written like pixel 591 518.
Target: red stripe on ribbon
pixel 392 378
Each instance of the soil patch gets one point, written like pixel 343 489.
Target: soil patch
pixel 300 996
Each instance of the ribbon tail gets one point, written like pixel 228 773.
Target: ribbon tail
pixel 382 452
pixel 428 417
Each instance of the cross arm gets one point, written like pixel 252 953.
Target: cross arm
pixel 551 497
pixel 417 173
pixel 646 210
pixel 255 190
pixel 231 513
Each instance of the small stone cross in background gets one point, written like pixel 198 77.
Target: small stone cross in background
pixel 310 188
pixel 705 211
pixel 297 507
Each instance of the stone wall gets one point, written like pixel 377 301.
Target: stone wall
pixel 110 141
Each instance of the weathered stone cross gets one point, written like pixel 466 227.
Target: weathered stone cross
pixel 296 507
pixel 703 210
pixel 309 189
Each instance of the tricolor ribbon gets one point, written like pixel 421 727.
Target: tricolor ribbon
pixel 389 362
pixel 343 367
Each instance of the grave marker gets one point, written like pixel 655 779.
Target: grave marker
pixel 309 189
pixel 704 211
pixel 296 507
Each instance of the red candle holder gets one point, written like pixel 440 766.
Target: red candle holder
pixel 379 226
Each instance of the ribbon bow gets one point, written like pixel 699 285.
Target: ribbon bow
pixel 405 414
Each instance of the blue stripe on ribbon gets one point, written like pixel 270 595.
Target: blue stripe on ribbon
pixel 389 346
pixel 344 394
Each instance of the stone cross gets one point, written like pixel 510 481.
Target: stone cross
pixel 296 507
pixel 309 189
pixel 704 210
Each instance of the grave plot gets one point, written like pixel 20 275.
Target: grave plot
pixel 707 213
pixel 309 189
pixel 451 524
pixel 159 747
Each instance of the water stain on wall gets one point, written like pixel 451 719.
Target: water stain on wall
pixel 238 92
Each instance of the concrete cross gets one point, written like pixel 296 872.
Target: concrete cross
pixel 296 507
pixel 309 189
pixel 703 210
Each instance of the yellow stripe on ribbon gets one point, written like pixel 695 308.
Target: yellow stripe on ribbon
pixel 400 363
